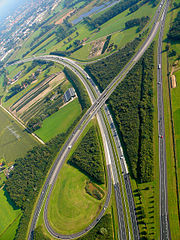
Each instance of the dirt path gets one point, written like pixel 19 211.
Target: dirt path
pixel 173 77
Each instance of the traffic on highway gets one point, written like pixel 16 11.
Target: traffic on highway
pixel 111 141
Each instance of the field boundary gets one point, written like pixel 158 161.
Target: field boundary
pixel 22 125
pixel 173 138
pixel 10 225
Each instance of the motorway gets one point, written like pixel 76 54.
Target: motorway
pixel 111 168
pixel 164 220
pixel 96 106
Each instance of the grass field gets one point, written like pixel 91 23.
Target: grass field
pixel 14 140
pixel 115 26
pixel 118 23
pixel 9 217
pixel 175 94
pixel 82 53
pixel 71 209
pixel 60 121
pixel 25 47
pixel 171 180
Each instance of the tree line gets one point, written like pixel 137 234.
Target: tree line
pixel 28 177
pixel 174 31
pixel 46 108
pixel 19 87
pixel 132 107
pixel 112 12
pixel 88 156
pixel 141 22
pixel 102 231
pixel 79 88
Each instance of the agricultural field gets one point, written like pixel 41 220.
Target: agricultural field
pixel 36 95
pixel 33 75
pixel 10 217
pixel 14 140
pixel 114 26
pixel 27 74
pixel 60 121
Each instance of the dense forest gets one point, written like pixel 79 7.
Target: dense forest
pixel 105 70
pixel 132 107
pixel 88 156
pixel 174 31
pixel 102 231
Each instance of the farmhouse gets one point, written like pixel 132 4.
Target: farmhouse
pixel 69 94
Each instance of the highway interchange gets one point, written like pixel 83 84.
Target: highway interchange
pixel 112 170
pixel 111 166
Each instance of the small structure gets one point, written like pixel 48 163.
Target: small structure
pixel 173 81
pixel 69 94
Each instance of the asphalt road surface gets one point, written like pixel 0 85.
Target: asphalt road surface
pixel 91 112
pixel 164 221
pixel 59 162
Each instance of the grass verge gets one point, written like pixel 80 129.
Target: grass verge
pixel 171 180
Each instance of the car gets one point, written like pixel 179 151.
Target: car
pixel 161 136
pixel 69 147
pixel 159 66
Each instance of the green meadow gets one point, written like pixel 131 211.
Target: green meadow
pixel 14 140
pixel 60 121
pixel 10 217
